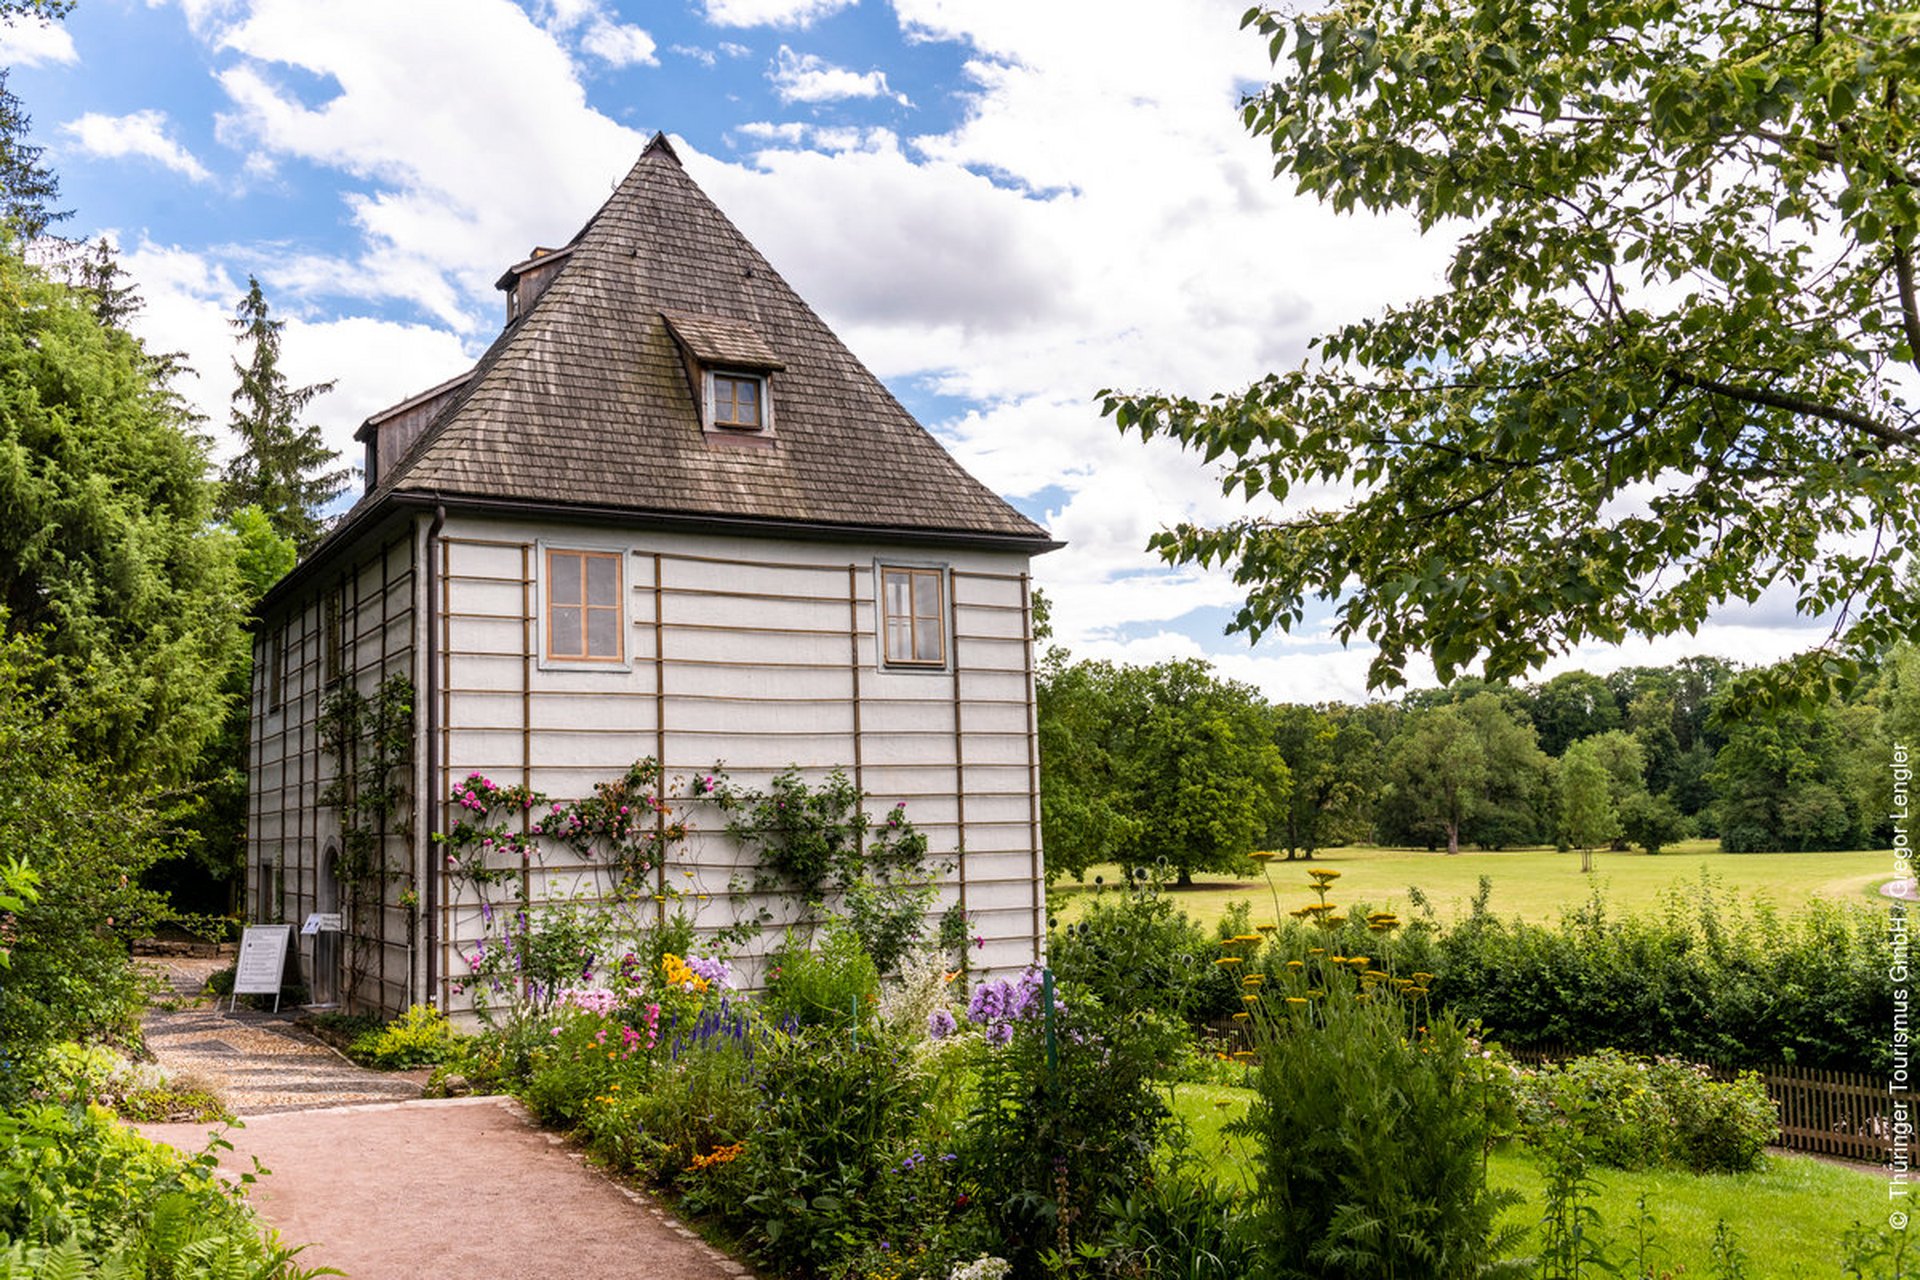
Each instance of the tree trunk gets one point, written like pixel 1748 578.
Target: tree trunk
pixel 1183 879
pixel 1453 838
pixel 1586 861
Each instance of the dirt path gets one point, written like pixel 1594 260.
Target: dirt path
pixel 391 1189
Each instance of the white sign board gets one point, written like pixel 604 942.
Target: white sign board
pixel 321 922
pixel 263 958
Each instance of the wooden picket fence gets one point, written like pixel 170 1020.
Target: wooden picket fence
pixel 1847 1115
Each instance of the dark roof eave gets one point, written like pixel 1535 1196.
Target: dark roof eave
pixel 395 502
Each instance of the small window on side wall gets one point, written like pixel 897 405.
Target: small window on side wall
pixel 583 606
pixel 913 612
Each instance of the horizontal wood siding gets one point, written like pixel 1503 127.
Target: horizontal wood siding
pixel 753 656
pixel 288 829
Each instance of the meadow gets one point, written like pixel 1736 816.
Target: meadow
pixel 1787 1217
pixel 1535 884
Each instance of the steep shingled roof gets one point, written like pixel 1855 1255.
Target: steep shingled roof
pixel 585 399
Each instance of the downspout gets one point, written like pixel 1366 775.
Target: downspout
pixel 432 807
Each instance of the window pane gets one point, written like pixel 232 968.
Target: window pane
pixel 898 588
pixel 899 640
pixel 603 580
pixel 926 595
pixel 926 643
pixel 563 574
pixel 603 633
pixel 749 396
pixel 563 634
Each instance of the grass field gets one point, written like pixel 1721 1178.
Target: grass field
pixel 1787 1218
pixel 1536 884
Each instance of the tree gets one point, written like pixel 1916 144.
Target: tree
pixel 107 549
pixel 1084 815
pixel 282 467
pixel 1586 807
pixel 1669 369
pixel 1651 821
pixel 1438 770
pixel 1334 765
pixel 1572 706
pixel 1201 778
pixel 28 188
pixel 1514 801
pixel 1780 784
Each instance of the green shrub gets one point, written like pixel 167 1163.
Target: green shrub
pixel 1136 951
pixel 1372 1124
pixel 824 986
pixel 78 1075
pixel 1065 1115
pixel 77 1187
pixel 1638 1113
pixel 420 1037
pixel 839 1155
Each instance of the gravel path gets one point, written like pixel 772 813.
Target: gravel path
pixel 257 1062
pixel 390 1189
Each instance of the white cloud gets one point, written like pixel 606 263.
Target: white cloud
pixel 500 149
pixel 705 57
pixel 807 77
pixel 620 44
pixel 772 13
pixel 141 133
pixel 189 298
pixel 26 43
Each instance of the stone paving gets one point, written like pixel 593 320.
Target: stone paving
pixel 386 1189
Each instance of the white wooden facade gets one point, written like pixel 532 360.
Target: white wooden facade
pixel 755 653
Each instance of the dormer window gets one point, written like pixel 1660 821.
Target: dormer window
pixel 736 401
pixel 731 370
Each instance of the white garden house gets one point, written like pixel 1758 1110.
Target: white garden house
pixel 667 515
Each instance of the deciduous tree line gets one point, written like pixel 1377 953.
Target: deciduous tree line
pixel 1173 764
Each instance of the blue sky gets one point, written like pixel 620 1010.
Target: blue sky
pixel 1002 205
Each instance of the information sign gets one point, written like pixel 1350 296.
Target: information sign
pixel 263 959
pixel 321 922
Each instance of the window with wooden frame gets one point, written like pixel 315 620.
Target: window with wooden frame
pixel 583 606
pixel 736 401
pixel 913 616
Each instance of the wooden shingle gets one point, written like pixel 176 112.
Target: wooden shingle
pixel 585 400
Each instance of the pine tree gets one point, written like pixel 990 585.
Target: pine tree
pixel 28 188
pixel 283 468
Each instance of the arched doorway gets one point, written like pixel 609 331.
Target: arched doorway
pixel 327 942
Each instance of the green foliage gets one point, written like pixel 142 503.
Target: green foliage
pixel 1587 815
pixel 1651 822
pixel 1138 953
pixel 282 466
pixel 820 845
pixel 1780 784
pixel 1063 1120
pixel 79 1192
pixel 28 187
pixel 1712 980
pixel 1571 706
pixel 85 833
pixel 839 1157
pixel 1371 1129
pixel 107 552
pixel 420 1037
pixel 96 1075
pixel 1334 764
pixel 833 984
pixel 1630 1112
pixel 1684 270
pixel 1437 769
pixel 1084 806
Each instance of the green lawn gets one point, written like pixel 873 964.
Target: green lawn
pixel 1536 884
pixel 1787 1218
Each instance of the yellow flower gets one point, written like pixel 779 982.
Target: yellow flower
pixel 1265 928
pixel 1295 966
pixel 1241 1016
pixel 1316 951
pixel 1375 974
pixel 1228 960
pixel 1263 855
pixel 1422 977
pixel 1250 999
pixel 1295 1000
pixel 1253 979
pixel 1244 1055
pixel 1324 873
pixel 1360 960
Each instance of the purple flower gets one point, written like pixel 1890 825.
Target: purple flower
pixel 941 1023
